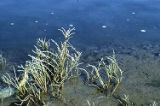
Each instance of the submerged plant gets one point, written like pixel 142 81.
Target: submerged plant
pixel 2 63
pixel 52 65
pixel 112 73
pixel 47 71
pixel 154 103
pixel 125 101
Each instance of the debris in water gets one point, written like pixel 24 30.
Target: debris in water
pixel 12 24
pixel 52 13
pixel 104 26
pixel 71 25
pixel 143 30
pixel 133 13
pixel 36 21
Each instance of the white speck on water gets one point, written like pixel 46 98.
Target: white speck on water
pixel 71 25
pixel 12 24
pixel 104 26
pixel 143 30
pixel 52 13
pixel 46 24
pixel 133 13
pixel 36 21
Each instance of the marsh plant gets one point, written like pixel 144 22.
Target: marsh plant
pixel 111 72
pixel 51 65
pixel 45 74
pixel 125 101
pixel 154 103
pixel 2 63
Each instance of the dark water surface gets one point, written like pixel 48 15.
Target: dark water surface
pixel 131 27
pixel 24 21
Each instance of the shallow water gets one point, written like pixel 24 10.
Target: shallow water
pixel 131 28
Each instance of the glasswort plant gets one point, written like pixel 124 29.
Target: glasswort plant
pixel 47 71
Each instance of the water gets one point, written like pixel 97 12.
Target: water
pixel 130 27
pixel 33 19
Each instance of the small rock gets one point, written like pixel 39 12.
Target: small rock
pixel 7 92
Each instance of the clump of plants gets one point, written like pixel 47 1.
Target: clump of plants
pixel 45 74
pixel 125 101
pixel 154 103
pixel 52 65
pixel 107 77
